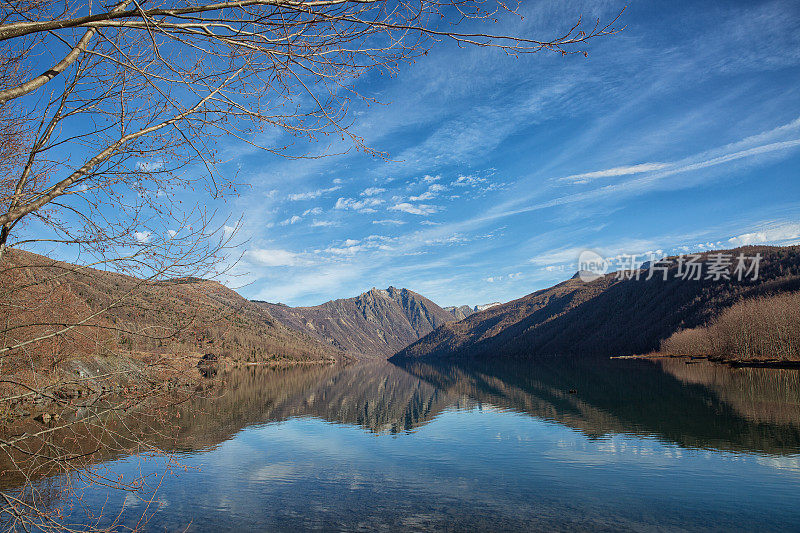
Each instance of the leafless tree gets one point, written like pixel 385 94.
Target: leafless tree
pixel 760 328
pixel 110 113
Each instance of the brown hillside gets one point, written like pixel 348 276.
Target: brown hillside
pixel 377 323
pixel 765 328
pixel 606 317
pixel 132 315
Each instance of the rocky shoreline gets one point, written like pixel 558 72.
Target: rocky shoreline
pixel 83 384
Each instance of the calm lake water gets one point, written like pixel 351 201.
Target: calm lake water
pixel 638 446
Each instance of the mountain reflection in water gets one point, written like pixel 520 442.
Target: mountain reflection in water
pixel 481 446
pixel 701 404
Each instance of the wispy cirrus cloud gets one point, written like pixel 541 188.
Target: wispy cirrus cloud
pixel 273 257
pixel 613 172
pixel 323 224
pixel 742 150
pixel 310 195
pixel 775 233
pixel 617 151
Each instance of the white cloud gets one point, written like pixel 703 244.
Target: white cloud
pixel 777 233
pixel 322 224
pixel 562 255
pixel 430 194
pixel 311 281
pixel 758 150
pixel 313 211
pixel 477 183
pixel 427 195
pixel 293 220
pixel 507 277
pixel 227 231
pixel 372 191
pixel 388 222
pixel 272 257
pixel 611 172
pixel 645 183
pixel 464 181
pixel 419 209
pixel 431 179
pixel 142 236
pixel 350 247
pixel 455 238
pixel 367 205
pixel 310 195
pixel 150 166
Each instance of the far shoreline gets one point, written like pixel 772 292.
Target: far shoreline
pixel 776 363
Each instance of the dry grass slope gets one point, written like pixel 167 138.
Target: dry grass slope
pixel 118 315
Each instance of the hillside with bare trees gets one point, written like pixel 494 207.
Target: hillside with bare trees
pixel 765 328
pixel 55 313
pixel 615 315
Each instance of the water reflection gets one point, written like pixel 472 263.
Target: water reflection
pixel 699 404
pixel 377 396
pixel 473 446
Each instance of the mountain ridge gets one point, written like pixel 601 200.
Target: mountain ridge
pixel 605 317
pixel 185 315
pixel 460 312
pixel 376 323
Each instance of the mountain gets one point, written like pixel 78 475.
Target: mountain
pixel 463 311
pixel 608 316
pixel 484 307
pixel 376 323
pixel 125 315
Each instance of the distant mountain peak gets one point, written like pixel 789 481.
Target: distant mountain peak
pixel 376 323
pixel 461 312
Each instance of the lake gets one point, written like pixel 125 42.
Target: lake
pixel 543 445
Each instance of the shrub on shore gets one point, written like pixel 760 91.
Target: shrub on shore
pixel 766 327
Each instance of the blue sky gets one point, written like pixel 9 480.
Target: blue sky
pixel 680 133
